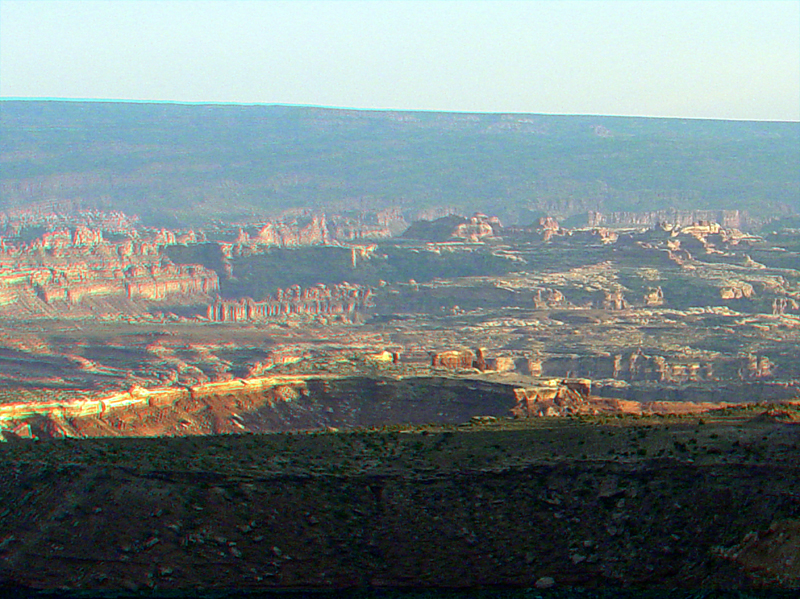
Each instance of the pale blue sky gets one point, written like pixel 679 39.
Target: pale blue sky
pixel 705 59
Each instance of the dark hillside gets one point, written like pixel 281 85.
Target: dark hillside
pixel 201 162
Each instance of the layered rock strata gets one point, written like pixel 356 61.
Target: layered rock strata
pixel 337 300
pixel 62 268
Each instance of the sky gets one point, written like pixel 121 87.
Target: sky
pixel 722 59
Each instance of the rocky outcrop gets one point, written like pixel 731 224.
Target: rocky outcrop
pixel 654 297
pixel 455 359
pixel 181 409
pixel 290 233
pixel 501 364
pixel 546 298
pixel 465 359
pixel 556 398
pixel 303 230
pixel 614 300
pixel 477 228
pixel 342 300
pixel 63 214
pixel 736 290
pixel 638 366
pixel 263 404
pixel 361 253
pixel 345 229
pixel 782 305
pixel 756 367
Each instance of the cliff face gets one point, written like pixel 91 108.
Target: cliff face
pixel 308 230
pixel 727 218
pixel 560 399
pixel 638 366
pixel 62 268
pixel 267 404
pixel 287 234
pixel 343 300
pixel 160 282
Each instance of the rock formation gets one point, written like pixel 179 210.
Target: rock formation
pixel 62 268
pixel 460 359
pixel 614 300
pixel 737 290
pixel 727 218
pixel 781 305
pixel 343 300
pixel 654 297
pixel 453 359
pixel 545 298
pixel 556 398
pixel 474 229
pixel 756 367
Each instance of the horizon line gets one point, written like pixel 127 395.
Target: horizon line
pixel 352 109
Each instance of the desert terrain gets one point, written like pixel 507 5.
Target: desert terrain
pixel 576 393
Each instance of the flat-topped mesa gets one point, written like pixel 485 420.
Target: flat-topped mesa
pixel 466 359
pixel 343 300
pixel 639 367
pixel 455 359
pixel 454 228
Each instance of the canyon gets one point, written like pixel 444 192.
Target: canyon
pixel 298 349
pixel 675 310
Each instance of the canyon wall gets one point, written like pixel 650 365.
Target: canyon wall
pixel 305 230
pixel 62 268
pixel 638 366
pixel 727 218
pixel 336 300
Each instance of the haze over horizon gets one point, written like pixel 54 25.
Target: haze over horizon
pixel 686 59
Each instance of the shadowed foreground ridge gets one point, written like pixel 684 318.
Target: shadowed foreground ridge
pixel 643 503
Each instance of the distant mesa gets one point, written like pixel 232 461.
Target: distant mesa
pixel 458 228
